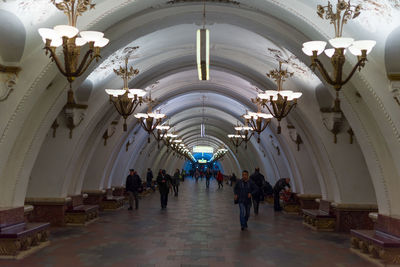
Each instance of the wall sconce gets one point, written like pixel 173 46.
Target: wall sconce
pixel 294 136
pixel 130 142
pixel 278 150
pixel 74 115
pixel 54 126
pixel 109 132
pixel 351 133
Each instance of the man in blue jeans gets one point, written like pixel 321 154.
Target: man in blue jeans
pixel 243 190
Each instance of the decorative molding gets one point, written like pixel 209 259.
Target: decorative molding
pixel 8 80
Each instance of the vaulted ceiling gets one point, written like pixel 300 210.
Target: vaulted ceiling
pixel 247 40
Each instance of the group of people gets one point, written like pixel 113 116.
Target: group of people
pixel 165 184
pixel 208 174
pixel 248 191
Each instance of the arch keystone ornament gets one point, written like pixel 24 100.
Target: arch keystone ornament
pixel 67 37
pixel 126 100
pixel 344 12
pixel 8 80
pixel 279 102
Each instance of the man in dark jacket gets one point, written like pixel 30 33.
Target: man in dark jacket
pixel 244 189
pixel 164 184
pixel 282 184
pixel 259 180
pixel 133 183
pixel 149 179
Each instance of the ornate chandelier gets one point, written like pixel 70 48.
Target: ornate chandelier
pixel 236 140
pixel 244 132
pixel 344 12
pixel 257 120
pixel 161 132
pixel 219 154
pixel 72 40
pixel 279 102
pixel 150 120
pixel 126 100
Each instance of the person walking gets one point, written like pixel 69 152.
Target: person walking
pixel 183 174
pixel 208 177
pixel 196 175
pixel 259 181
pixel 220 179
pixel 164 184
pixel 244 189
pixel 149 179
pixel 281 184
pixel 233 179
pixel 132 185
pixel 175 182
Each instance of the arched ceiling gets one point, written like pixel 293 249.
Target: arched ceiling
pixel 247 39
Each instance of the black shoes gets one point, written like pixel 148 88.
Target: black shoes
pixel 242 228
pixel 130 208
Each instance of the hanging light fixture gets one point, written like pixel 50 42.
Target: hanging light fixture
pixel 244 132
pixel 218 155
pixel 175 145
pixel 257 120
pixel 150 120
pixel 162 130
pixel 344 12
pixel 279 102
pixel 168 138
pixel 203 50
pixel 72 40
pixel 126 100
pixel 236 140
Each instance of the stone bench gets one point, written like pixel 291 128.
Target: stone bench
pixel 79 213
pixel 112 202
pixel 22 239
pixel 82 215
pixel 382 245
pixel 321 219
pixel 291 203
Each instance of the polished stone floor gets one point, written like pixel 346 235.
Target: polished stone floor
pixel 199 228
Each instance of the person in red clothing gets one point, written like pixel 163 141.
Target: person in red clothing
pixel 220 179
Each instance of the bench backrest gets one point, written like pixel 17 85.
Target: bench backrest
pixel 388 225
pixel 325 206
pixel 76 200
